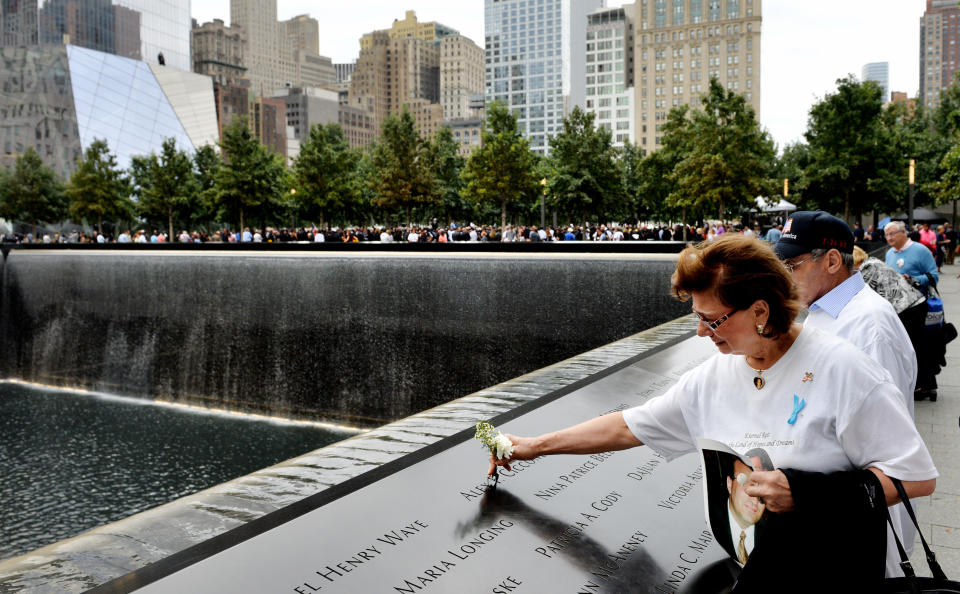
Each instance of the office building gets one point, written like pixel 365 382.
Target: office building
pixel 344 71
pixel 258 18
pixel 461 76
pixel 410 27
pixel 18 23
pixel 280 54
pixel 680 45
pixel 939 49
pixel 83 94
pixel 393 72
pixel 532 63
pixel 609 72
pixel 155 31
pixel 218 51
pixel 878 72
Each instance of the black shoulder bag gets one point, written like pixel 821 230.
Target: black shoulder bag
pixel 911 583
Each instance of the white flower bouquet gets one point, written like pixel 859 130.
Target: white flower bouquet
pixel 499 444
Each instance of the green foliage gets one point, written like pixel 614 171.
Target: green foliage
pixel 31 192
pixel 98 189
pixel 446 164
pixel 325 175
pixel 402 177
pixel 855 163
pixel 252 181
pixel 723 155
pixel 502 170
pixel 790 166
pixel 206 162
pixel 166 185
pixel 586 181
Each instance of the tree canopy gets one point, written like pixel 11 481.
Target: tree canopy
pixel 252 181
pixel 31 193
pixel 98 189
pixel 502 170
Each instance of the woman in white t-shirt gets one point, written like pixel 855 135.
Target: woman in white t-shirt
pixel 814 402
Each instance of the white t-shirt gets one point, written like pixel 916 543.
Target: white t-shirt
pixel 871 324
pixel 852 414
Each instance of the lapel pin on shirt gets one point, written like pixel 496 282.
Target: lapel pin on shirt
pixel 798 405
pixel 807 377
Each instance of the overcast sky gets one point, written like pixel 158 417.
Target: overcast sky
pixel 806 45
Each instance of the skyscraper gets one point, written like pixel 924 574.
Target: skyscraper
pixel 18 23
pixel 878 72
pixel 939 49
pixel 609 71
pixel 535 61
pixel 139 29
pixel 681 45
pixel 461 76
pixel 259 19
pixel 396 72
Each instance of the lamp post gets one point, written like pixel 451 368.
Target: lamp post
pixel 543 200
pixel 910 178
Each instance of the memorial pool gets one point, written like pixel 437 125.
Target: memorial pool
pixel 73 461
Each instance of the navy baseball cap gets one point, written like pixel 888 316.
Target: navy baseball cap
pixel 809 230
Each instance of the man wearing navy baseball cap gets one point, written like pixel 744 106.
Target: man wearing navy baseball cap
pixel 817 249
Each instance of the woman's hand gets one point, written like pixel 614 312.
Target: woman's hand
pixel 772 488
pixel 523 449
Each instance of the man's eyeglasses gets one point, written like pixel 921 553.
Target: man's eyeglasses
pixel 790 266
pixel 715 323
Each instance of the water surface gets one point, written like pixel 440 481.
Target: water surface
pixel 74 461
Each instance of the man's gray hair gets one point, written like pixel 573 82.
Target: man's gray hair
pixel 846 258
pixel 896 225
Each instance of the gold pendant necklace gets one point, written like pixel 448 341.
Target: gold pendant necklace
pixel 758 380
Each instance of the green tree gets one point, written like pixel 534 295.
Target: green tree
pixel 402 178
pixel 31 192
pixel 586 180
pixel 446 164
pixel 98 189
pixel 166 185
pixel 790 166
pixel 252 181
pixel 853 163
pixel 206 162
pixel 325 174
pixel 724 155
pixel 502 170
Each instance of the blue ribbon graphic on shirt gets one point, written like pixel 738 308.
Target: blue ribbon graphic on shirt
pixel 797 407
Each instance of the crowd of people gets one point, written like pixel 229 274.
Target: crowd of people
pixel 430 233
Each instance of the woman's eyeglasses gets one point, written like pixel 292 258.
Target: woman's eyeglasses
pixel 715 323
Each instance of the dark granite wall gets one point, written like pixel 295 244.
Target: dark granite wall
pixel 342 337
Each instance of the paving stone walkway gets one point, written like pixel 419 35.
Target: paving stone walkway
pixel 938 424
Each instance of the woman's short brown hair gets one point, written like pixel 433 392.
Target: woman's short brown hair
pixel 739 270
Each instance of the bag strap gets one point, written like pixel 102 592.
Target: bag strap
pixel 935 569
pixel 933 283
pixel 905 564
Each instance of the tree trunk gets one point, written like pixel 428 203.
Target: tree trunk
pixel 683 222
pixel 503 217
pixel 846 205
pixel 241 225
pixel 100 224
pixel 170 224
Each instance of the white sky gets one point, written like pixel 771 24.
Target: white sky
pixel 806 44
